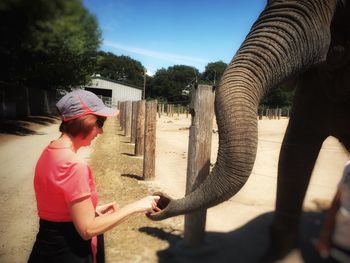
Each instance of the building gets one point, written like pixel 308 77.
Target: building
pixel 112 91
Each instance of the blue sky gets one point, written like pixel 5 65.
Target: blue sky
pixel 163 33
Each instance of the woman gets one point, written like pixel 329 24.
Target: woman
pixel 65 191
pixel 334 241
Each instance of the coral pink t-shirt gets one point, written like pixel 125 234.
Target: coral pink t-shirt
pixel 61 177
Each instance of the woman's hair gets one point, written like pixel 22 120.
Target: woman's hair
pixel 82 125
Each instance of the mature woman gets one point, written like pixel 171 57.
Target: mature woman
pixel 334 241
pixel 65 190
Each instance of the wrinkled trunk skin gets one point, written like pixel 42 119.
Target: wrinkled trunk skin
pixel 282 42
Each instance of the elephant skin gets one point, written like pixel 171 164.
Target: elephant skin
pixel 307 41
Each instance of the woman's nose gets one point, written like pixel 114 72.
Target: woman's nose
pixel 98 130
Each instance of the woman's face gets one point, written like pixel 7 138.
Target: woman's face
pixel 96 130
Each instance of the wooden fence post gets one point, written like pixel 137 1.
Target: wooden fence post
pixel 198 162
pixel 133 122
pixel 149 157
pixel 122 116
pixel 128 116
pixel 260 112
pixel 159 110
pixel 140 128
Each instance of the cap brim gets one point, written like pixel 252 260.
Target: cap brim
pixel 107 112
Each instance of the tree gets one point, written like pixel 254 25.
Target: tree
pixel 278 98
pixel 120 68
pixel 168 84
pixel 48 44
pixel 213 72
pixel 157 86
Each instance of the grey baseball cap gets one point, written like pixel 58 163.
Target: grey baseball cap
pixel 82 102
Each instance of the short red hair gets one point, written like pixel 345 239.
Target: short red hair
pixel 80 126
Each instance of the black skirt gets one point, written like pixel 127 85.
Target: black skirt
pixel 60 242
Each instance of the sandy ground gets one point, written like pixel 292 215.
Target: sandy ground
pixel 18 221
pixel 258 194
pixel 18 211
pixel 247 214
pixel 233 227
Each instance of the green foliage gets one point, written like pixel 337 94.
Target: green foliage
pixel 278 98
pixel 213 73
pixel 120 68
pixel 48 44
pixel 168 84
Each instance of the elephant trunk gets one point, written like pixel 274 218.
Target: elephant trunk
pixel 286 38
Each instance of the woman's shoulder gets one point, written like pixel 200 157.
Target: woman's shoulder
pixel 67 161
pixel 71 168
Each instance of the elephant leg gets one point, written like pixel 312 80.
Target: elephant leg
pixel 299 151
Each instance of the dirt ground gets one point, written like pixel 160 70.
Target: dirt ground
pixel 118 176
pixel 235 228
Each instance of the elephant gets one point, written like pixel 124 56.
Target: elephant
pixel 306 43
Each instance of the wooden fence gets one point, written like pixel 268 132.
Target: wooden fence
pixel 140 119
pixel 138 122
pixel 16 102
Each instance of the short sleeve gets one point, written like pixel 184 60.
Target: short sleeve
pixel 73 180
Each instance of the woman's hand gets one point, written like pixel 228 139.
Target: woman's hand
pixel 323 247
pixel 88 224
pixel 106 209
pixel 147 204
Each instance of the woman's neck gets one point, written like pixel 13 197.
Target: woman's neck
pixel 69 141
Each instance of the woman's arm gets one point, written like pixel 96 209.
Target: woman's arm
pixel 88 225
pixel 324 242
pixel 106 209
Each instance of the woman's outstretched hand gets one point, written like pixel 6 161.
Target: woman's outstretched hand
pixel 147 204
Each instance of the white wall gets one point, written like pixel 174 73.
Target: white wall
pixel 120 92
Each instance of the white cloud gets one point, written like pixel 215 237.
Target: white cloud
pixel 175 58
pixel 149 72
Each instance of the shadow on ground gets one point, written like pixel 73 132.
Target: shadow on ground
pixel 133 176
pixel 128 154
pixel 25 126
pixel 246 244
